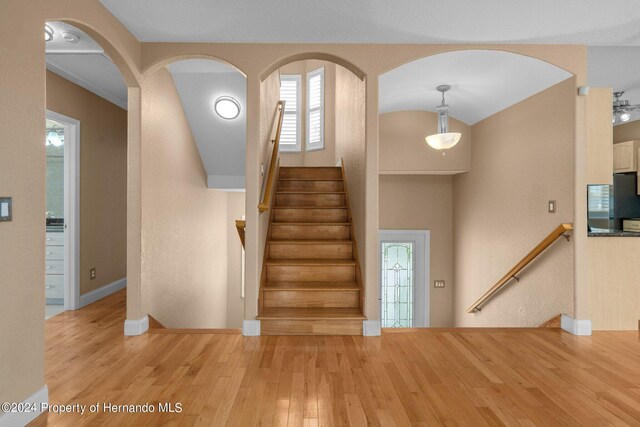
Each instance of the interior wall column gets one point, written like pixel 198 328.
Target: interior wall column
pixel 372 273
pixel 135 309
pixel 253 181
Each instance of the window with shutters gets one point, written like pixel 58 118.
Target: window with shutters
pixel 290 93
pixel 315 110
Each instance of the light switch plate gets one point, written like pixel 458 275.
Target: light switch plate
pixel 552 206
pixel 6 209
pixel 438 283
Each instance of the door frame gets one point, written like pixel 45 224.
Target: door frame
pixel 71 208
pixel 422 269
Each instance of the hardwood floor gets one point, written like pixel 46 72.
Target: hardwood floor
pixel 472 377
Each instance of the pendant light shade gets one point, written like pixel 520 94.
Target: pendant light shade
pixel 443 140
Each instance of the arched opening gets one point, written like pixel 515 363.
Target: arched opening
pixel 194 187
pixel 484 201
pixel 87 142
pixel 323 136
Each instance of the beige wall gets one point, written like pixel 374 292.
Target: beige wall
pixel 419 202
pixel 626 132
pixel 103 180
pixel 235 302
pixel 269 97
pixel 521 157
pixel 350 147
pixel 22 167
pixel 184 250
pixel 320 157
pixel 403 148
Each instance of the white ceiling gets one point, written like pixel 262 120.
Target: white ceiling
pixel 85 64
pixel 482 83
pixel 222 143
pixel 590 22
pixel 617 67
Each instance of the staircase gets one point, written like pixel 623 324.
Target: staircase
pixel 311 277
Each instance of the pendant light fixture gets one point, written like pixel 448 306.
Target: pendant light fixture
pixel 443 140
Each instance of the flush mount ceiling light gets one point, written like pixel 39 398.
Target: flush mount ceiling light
pixel 443 140
pixel 227 107
pixel 70 37
pixel 622 109
pixel 48 33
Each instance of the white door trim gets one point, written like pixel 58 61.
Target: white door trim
pixel 422 269
pixel 71 207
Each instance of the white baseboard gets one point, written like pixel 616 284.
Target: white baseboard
pixel 575 327
pixel 136 327
pixel 251 328
pixel 104 291
pixel 371 328
pixel 39 400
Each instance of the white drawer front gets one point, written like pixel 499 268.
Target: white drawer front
pixel 54 267
pixel 54 286
pixel 54 253
pixel 55 239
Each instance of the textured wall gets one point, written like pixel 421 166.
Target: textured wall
pixel 324 157
pixel 184 224
pixel 235 303
pixel 22 176
pixel 350 146
pixel 626 132
pixel 422 202
pixel 403 148
pixel 521 157
pixel 103 180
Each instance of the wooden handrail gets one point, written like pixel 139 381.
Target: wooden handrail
pixel 271 176
pixel 240 225
pixel 561 230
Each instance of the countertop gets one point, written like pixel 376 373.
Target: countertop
pixel 613 233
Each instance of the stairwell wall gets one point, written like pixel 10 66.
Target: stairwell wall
pixel 521 158
pixel 350 147
pixel 184 223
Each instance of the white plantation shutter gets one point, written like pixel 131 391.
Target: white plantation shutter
pixel 290 93
pixel 315 110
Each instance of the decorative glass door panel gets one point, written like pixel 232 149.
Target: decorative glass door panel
pixel 398 279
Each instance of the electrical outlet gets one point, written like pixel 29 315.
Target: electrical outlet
pixel 92 273
pixel 262 169
pixel 438 283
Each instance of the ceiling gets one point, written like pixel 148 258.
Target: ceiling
pixel 616 67
pixel 482 83
pixel 221 142
pixel 589 22
pixel 85 63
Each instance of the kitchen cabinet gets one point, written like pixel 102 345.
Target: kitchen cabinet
pixel 54 268
pixel 625 156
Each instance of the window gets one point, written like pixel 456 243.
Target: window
pixel 290 93
pixel 315 110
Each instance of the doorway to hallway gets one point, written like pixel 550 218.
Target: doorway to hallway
pixel 404 278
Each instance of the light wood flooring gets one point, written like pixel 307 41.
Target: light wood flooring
pixel 471 377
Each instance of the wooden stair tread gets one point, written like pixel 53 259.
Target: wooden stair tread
pixel 310 313
pixel 310 207
pixel 308 262
pixel 311 286
pixel 309 192
pixel 310 223
pixel 311 242
pixel 310 179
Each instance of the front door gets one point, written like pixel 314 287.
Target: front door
pixel 404 263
